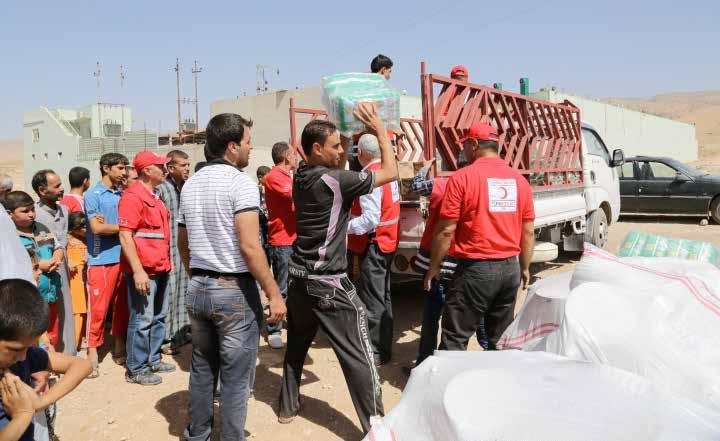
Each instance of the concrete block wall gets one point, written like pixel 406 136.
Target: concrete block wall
pixel 637 133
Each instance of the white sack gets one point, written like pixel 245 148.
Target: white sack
pixel 658 318
pixel 540 315
pixel 520 396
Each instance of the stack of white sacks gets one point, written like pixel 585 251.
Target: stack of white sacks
pixel 618 349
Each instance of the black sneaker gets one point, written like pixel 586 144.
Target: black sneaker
pixel 162 368
pixel 145 378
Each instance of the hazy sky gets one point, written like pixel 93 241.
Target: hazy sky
pixel 614 48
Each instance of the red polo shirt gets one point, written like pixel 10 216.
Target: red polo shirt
pixel 145 215
pixel 490 202
pixel 73 202
pixel 281 210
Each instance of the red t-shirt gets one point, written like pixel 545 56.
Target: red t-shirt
pixel 436 199
pixel 281 210
pixel 74 203
pixel 147 217
pixel 490 202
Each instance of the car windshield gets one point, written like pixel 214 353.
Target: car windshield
pixel 686 169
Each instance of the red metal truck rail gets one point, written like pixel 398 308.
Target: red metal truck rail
pixel 540 139
pixel 409 141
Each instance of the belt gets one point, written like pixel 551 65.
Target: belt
pixel 199 272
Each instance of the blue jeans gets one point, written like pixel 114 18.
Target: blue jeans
pixel 279 259
pixel 225 319
pixel 146 327
pixel 434 301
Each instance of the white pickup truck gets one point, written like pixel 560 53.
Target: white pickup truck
pixel 573 174
pixel 567 216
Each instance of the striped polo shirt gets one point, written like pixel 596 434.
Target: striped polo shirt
pixel 208 204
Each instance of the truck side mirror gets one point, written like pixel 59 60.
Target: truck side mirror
pixel 618 158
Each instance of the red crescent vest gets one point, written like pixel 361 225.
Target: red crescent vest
pixel 387 232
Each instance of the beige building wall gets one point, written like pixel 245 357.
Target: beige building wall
pixel 637 133
pixel 271 118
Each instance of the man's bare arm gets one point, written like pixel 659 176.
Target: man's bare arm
pixel 247 225
pixel 444 233
pixel 140 277
pixel 388 171
pixel 100 228
pixel 183 247
pixel 527 247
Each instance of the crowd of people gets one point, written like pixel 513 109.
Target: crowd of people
pixel 171 259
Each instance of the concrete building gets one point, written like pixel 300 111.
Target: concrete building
pixel 60 139
pixel 637 133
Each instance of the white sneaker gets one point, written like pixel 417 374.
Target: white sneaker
pixel 275 341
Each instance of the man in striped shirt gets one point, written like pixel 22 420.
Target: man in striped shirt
pixel 219 244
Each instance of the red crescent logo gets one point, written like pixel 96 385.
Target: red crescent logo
pixel 505 193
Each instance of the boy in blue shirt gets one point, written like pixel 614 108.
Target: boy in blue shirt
pixel 23 319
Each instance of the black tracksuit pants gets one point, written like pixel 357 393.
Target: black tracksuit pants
pixel 314 304
pixel 374 291
pixel 479 288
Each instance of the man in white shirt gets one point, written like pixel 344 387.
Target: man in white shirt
pixel 219 244
pixel 372 239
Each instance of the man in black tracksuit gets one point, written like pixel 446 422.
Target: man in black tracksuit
pixel 320 294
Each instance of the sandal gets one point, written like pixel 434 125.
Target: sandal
pixel 95 373
pixel 170 350
pixel 119 359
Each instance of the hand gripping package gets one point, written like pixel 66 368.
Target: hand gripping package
pixel 342 92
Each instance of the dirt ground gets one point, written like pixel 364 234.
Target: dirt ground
pixel 107 408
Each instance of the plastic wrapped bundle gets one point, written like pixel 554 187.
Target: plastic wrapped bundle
pixel 342 92
pixel 648 245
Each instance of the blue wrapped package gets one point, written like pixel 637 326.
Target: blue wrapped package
pixel 342 92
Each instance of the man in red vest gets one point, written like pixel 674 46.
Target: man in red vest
pixel 373 236
pixel 145 239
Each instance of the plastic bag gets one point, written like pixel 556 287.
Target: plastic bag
pixel 540 315
pixel 648 245
pixel 658 318
pixel 342 92
pixel 519 396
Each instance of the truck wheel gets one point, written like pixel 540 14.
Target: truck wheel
pixel 715 209
pixel 597 228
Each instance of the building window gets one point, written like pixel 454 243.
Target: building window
pixel 36 136
pixel 46 156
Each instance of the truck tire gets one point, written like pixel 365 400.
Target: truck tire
pixel 597 228
pixel 715 209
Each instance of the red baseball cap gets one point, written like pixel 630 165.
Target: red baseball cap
pixel 481 132
pixel 146 158
pixel 459 70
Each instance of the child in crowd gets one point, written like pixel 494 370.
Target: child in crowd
pixel 24 318
pixel 40 241
pixel 77 263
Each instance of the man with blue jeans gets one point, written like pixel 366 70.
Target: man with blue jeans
pixel 219 244
pixel 144 224
pixel 281 223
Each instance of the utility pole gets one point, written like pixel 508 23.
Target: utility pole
pixel 123 71
pixel 96 74
pixel 261 82
pixel 177 74
pixel 196 70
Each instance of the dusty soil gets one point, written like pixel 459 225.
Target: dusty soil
pixel 107 408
